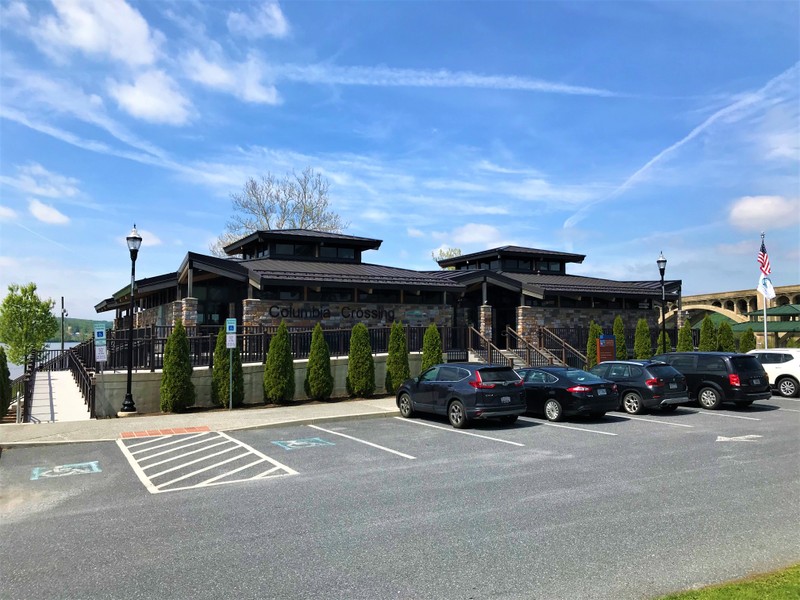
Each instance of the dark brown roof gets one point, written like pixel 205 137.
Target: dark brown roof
pixel 302 235
pixel 578 284
pixel 511 252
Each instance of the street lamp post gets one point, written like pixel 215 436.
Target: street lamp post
pixel 662 266
pixel 134 242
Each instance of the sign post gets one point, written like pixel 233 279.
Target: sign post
pixel 100 354
pixel 606 348
pixel 230 344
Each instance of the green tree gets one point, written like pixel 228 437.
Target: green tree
pixel 5 384
pixel 685 341
pixel 664 344
pixel 748 341
pixel 221 374
pixel 619 338
pixel 26 322
pixel 431 347
pixel 642 344
pixel 319 379
pixel 444 254
pixel 725 339
pixel 708 335
pixel 279 369
pixel 177 389
pixel 360 363
pixel 595 331
pixel 397 369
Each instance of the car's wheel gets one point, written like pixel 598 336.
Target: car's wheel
pixel 508 419
pixel 709 398
pixel 553 410
pixel 457 415
pixel 668 407
pixel 787 387
pixel 405 405
pixel 632 403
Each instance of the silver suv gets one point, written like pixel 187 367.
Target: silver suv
pixel 783 369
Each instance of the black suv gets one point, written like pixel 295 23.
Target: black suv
pixel 645 384
pixel 464 391
pixel 717 377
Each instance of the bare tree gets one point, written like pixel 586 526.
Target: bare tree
pixel 293 202
pixel 444 253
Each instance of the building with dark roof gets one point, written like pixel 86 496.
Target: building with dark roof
pixel 305 277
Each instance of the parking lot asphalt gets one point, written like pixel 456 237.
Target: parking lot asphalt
pixel 30 434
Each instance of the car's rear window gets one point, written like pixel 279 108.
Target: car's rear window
pixel 580 376
pixel 662 371
pixel 498 374
pixel 746 363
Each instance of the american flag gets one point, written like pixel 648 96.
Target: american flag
pixel 763 259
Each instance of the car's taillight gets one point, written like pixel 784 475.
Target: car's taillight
pixel 479 384
pixel 519 383
pixel 654 382
pixel 576 389
pixel 614 388
pixel 733 378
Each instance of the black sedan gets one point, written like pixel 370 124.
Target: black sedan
pixel 645 384
pixel 558 392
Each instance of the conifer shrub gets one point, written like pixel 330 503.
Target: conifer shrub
pixel 221 374
pixel 708 336
pixel 747 341
pixel 725 340
pixel 642 345
pixel 431 347
pixel 319 378
pixel 595 331
pixel 177 388
pixel 360 364
pixel 397 369
pixel 685 341
pixel 5 383
pixel 619 338
pixel 279 368
pixel 664 344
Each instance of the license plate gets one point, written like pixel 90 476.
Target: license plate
pixel 756 381
pixel 505 399
pixel 601 392
pixel 673 386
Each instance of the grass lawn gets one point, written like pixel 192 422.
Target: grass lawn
pixel 780 585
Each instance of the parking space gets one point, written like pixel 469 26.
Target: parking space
pixel 179 462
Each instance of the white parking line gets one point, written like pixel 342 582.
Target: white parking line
pixel 567 427
pixel 450 429
pixel 350 437
pixel 716 414
pixel 653 421
pixel 789 409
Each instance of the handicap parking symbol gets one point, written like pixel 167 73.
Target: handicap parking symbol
pixel 302 443
pixel 63 470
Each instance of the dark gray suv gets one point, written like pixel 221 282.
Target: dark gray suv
pixel 717 377
pixel 464 391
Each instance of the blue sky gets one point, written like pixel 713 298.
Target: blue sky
pixel 612 129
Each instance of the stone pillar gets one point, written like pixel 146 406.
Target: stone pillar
pixel 252 311
pixel 175 312
pixel 485 317
pixel 526 323
pixel 189 313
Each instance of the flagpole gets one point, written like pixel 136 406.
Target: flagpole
pixel 766 301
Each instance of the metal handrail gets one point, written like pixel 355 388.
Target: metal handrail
pixel 482 347
pixel 29 379
pixel 527 352
pixel 85 380
pixel 569 355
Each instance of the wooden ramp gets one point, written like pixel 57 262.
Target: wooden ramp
pixel 57 398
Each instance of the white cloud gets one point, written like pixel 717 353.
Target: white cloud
pixel 15 12
pixel 7 214
pixel 106 29
pixel 153 97
pixel 34 179
pixel 242 80
pixel 268 20
pixel 47 214
pixel 477 235
pixel 753 213
pixel 148 238
pixel 414 232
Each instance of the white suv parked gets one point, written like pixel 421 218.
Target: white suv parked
pixel 783 368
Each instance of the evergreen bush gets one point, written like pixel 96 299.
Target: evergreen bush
pixel 725 339
pixel 748 341
pixel 279 368
pixel 595 331
pixel 177 388
pixel 397 369
pixel 642 344
pixel 664 344
pixel 431 347
pixel 360 363
pixel 319 378
pixel 5 383
pixel 619 341
pixel 685 341
pixel 221 374
pixel 708 335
